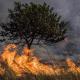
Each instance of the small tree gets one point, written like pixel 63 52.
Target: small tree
pixel 34 21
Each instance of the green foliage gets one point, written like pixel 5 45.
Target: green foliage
pixel 35 21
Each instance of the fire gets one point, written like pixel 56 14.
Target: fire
pixel 28 63
pixel 21 64
pixel 72 66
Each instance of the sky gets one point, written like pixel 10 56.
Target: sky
pixel 69 9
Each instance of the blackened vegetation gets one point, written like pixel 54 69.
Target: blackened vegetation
pixel 34 21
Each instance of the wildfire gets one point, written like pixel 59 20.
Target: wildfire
pixel 72 66
pixel 27 63
pixel 21 64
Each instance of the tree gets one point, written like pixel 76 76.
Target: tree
pixel 34 22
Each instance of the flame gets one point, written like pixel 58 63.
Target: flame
pixel 21 64
pixel 72 66
pixel 28 63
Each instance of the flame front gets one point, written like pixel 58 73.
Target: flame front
pixel 27 63
pixel 72 66
pixel 21 64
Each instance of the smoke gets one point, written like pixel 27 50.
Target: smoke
pixel 69 9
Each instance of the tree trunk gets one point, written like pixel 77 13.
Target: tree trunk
pixel 29 42
pixel 28 45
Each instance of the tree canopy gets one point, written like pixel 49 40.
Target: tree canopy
pixel 34 22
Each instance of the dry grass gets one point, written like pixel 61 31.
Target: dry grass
pixel 72 72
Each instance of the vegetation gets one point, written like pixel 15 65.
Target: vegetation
pixel 31 22
pixel 9 75
pixel 69 76
pixel 34 22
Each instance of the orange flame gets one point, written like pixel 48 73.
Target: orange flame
pixel 72 66
pixel 24 63
pixel 27 63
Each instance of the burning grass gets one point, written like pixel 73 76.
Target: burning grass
pixel 28 67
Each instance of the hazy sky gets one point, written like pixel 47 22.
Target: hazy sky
pixel 69 9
